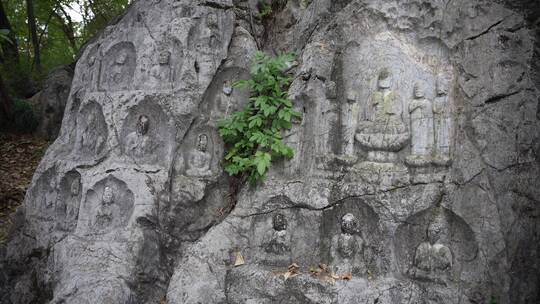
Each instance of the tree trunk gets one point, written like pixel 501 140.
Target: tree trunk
pixel 9 48
pixel 67 27
pixel 5 102
pixel 33 34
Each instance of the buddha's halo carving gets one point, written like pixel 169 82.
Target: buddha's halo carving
pixel 351 238
pixel 69 198
pixel 92 132
pixel 118 67
pixel 108 206
pixel 147 134
pixel 221 98
pixel 434 244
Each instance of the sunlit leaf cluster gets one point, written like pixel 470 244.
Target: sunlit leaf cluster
pixel 253 136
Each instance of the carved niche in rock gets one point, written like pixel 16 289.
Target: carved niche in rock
pixel 200 156
pixel 348 247
pixel 277 240
pixel 90 68
pixel 67 205
pixel 285 235
pixel 222 99
pixel 351 238
pixel 118 67
pixel 422 137
pixel 161 69
pixel 147 134
pixel 199 159
pixel 108 205
pixel 434 244
pixel 210 35
pixel 92 131
pixel 166 63
pixel 383 132
pixel 44 195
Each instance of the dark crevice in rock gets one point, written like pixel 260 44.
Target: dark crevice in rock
pixel 216 5
pixel 486 30
pixel 501 97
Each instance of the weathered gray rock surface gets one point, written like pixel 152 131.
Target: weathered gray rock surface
pixel 416 170
pixel 52 101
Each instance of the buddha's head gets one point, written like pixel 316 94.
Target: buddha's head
pixel 108 195
pixel 442 85
pixel 202 142
pixel 437 229
pixel 279 222
pixel 349 224
pixel 385 79
pixel 143 124
pixel 419 90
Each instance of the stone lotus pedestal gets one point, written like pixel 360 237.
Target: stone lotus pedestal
pixel 382 141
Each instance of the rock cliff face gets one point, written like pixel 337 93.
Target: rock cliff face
pixel 416 174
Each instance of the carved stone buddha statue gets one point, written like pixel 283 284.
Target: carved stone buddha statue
pixel 199 159
pixel 384 132
pixel 347 251
pixel 433 258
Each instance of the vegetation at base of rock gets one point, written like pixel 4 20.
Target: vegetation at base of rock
pixel 24 120
pixel 253 136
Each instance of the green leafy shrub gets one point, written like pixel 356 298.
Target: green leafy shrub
pixel 24 118
pixel 253 136
pixel 265 9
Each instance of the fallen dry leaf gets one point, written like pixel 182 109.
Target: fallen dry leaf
pixel 347 276
pixel 293 270
pixel 239 261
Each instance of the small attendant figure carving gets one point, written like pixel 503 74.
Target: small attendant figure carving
pixel 421 115
pixel 72 208
pixel 162 70
pixel 50 195
pixel 138 143
pixel 279 241
pixel 433 258
pixel 105 212
pixel 199 159
pixel 348 247
pixel 441 117
pixel 89 75
pixel 349 113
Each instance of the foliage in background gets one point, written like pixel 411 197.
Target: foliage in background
pixel 265 9
pixel 60 35
pixel 24 118
pixel 253 136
